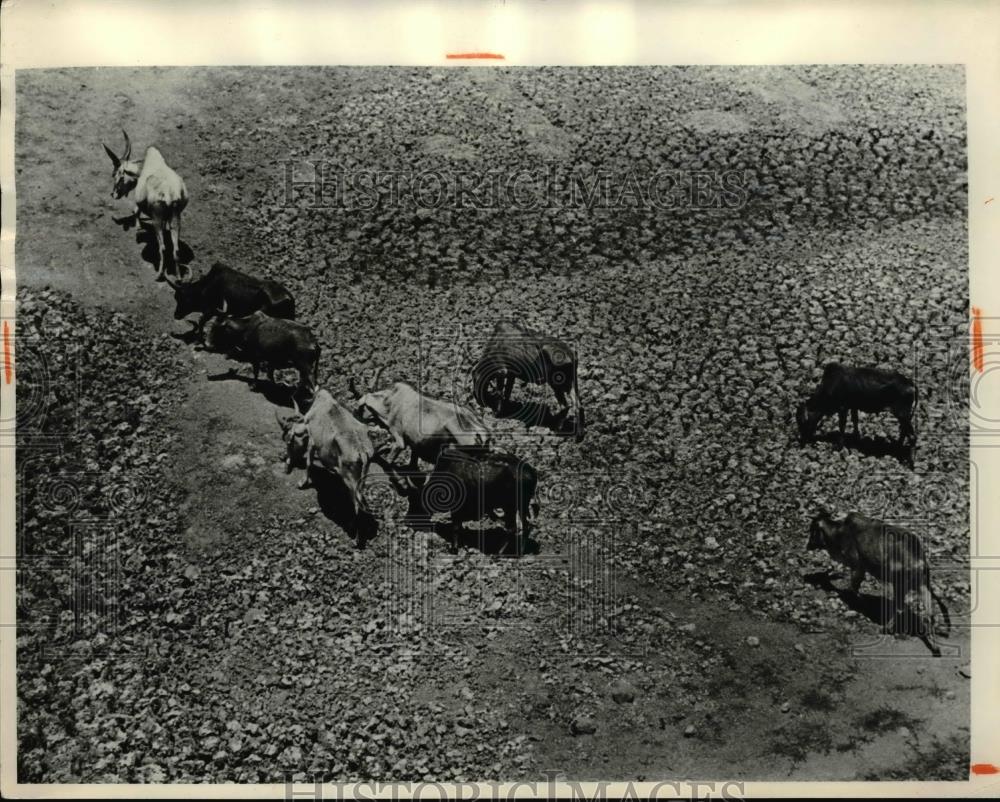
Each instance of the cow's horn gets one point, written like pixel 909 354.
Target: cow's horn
pixel 378 375
pixel 128 147
pixel 114 159
pixel 296 406
pixel 224 307
pixel 353 387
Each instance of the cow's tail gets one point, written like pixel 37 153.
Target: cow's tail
pixel 913 410
pixel 937 599
pixel 526 485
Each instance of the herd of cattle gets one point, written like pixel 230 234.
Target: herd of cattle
pixel 252 320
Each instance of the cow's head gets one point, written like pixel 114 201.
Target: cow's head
pixel 371 407
pixel 187 295
pixel 296 437
pixel 126 171
pixel 819 531
pixel 224 332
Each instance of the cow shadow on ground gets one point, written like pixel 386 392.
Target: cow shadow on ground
pixel 533 413
pixel 334 501
pixel 875 607
pixel 277 392
pixel 878 447
pixel 492 540
pixel 191 337
pixel 145 235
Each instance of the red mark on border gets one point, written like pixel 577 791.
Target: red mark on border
pixel 498 56
pixel 8 365
pixel 977 340
pixel 984 768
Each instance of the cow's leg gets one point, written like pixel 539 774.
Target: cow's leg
pixel 842 423
pixel 899 609
pixel 524 512
pixel 563 403
pixel 398 446
pixel 256 372
pixel 353 484
pixel 854 421
pixel 205 317
pixel 927 625
pixel 507 391
pixel 158 226
pixel 306 479
pixel 906 431
pixel 175 241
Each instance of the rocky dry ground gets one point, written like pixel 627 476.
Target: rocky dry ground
pixel 187 614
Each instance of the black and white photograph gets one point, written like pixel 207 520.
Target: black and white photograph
pixel 492 422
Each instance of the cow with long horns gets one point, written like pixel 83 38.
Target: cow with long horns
pixel 160 195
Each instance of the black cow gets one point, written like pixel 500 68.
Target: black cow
pixel 472 482
pixel 224 287
pixel 846 388
pixel 264 340
pixel 515 352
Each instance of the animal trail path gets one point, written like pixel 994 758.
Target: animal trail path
pixel 229 453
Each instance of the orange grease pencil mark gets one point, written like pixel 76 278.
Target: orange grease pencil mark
pixel 8 365
pixel 475 55
pixel 984 768
pixel 977 340
pixel 987 201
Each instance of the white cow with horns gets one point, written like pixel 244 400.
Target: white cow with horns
pixel 160 195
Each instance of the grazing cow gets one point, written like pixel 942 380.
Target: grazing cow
pixel 470 483
pixel 891 554
pixel 329 435
pixel 160 195
pixel 242 294
pixel 274 342
pixel 515 352
pixel 423 424
pixel 845 388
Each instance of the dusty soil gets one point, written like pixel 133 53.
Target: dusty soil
pixel 242 634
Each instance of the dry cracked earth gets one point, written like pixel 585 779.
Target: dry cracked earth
pixel 187 614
